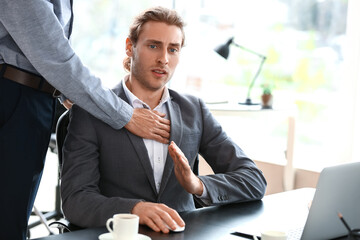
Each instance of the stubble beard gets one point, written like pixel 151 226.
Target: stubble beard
pixel 139 73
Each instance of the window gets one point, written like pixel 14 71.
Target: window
pixel 304 42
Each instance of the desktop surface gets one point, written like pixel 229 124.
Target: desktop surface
pixel 215 223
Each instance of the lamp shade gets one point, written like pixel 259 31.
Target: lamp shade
pixel 224 49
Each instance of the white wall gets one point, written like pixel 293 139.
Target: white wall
pixel 352 75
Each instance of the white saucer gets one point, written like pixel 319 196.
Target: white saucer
pixel 109 236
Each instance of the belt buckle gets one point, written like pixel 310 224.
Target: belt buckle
pixel 56 93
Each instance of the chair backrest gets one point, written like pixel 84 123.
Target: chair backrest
pixel 63 225
pixel 61 131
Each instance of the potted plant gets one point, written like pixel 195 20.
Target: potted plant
pixel 266 97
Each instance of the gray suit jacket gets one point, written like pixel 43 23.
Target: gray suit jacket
pixel 108 171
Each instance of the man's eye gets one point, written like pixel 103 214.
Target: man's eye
pixel 152 46
pixel 173 50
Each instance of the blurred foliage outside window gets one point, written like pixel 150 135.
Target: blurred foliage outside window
pixel 302 39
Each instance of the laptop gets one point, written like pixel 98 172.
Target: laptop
pixel 337 191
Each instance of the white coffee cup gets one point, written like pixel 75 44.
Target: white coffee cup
pixel 124 226
pixel 273 235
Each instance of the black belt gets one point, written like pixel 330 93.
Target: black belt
pixel 28 79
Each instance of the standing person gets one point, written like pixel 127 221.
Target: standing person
pixel 155 181
pixel 35 59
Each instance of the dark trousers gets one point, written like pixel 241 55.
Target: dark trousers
pixel 26 118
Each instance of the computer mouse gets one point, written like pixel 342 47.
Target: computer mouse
pixel 177 229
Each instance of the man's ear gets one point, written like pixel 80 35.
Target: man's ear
pixel 129 47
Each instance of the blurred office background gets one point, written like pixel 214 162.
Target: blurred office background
pixel 304 41
pixel 312 66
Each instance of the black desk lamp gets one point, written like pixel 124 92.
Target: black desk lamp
pixel 224 49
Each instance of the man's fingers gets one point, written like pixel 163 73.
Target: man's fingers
pixel 162 125
pixel 164 121
pixel 171 152
pixel 150 125
pixel 176 148
pixel 170 217
pixel 162 115
pixel 159 138
pixel 156 216
pixel 150 223
pixel 161 217
pixel 175 152
pixel 176 217
pixel 161 224
pixel 185 176
pixel 162 133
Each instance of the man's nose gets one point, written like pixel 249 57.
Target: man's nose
pixel 163 57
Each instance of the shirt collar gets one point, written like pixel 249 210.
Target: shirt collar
pixel 135 102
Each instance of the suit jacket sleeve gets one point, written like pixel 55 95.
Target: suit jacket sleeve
pixel 80 176
pixel 236 178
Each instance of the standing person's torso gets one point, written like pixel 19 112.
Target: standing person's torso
pixel 10 53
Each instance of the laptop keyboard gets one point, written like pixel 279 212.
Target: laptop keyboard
pixel 295 234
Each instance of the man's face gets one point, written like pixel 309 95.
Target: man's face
pixel 156 54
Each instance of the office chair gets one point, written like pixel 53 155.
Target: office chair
pixel 61 132
pixel 56 213
pixel 43 217
pixel 62 224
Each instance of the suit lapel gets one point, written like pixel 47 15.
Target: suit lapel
pixel 176 136
pixel 138 144
pixel 142 154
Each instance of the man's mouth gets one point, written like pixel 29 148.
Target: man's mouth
pixel 159 71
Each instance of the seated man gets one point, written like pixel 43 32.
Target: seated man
pixel 109 171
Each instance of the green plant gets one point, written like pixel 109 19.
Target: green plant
pixel 267 89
